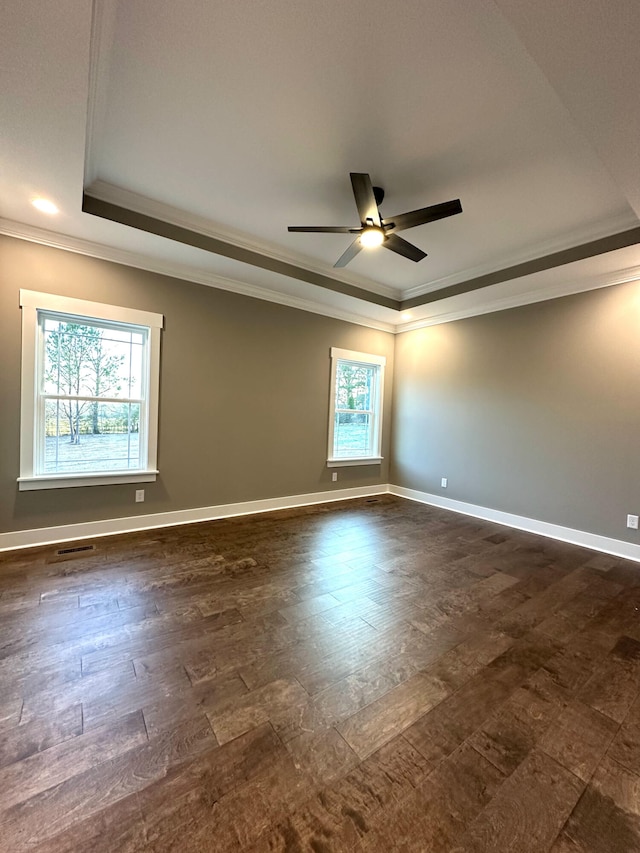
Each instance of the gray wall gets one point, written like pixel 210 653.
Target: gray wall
pixel 243 392
pixel 533 411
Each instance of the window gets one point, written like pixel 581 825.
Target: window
pixel 89 410
pixel 355 419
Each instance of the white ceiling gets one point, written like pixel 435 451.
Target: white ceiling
pixel 238 119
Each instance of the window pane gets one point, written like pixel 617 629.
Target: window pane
pixel 90 360
pixel 83 436
pixel 352 435
pixel 354 386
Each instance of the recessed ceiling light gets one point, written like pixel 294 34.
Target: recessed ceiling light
pixel 406 316
pixel 371 237
pixel 44 205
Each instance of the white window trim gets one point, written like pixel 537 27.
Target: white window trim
pixel 31 302
pixel 367 359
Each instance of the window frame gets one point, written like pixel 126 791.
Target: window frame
pixel 368 360
pixel 31 403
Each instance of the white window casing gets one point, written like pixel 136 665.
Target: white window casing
pixel 35 305
pixel 377 364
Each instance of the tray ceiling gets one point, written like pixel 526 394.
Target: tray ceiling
pixel 232 121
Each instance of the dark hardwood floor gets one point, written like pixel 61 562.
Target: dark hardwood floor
pixel 369 676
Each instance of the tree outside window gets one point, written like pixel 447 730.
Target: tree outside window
pixel 91 394
pixel 90 384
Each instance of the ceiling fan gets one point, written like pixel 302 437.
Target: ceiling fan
pixel 376 231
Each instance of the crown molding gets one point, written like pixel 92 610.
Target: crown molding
pixel 145 206
pixel 579 237
pixel 543 294
pixel 176 233
pixel 31 234
pixel 124 206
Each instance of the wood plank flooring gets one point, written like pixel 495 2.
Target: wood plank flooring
pixel 373 675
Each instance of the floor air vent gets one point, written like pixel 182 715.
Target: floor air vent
pixel 61 551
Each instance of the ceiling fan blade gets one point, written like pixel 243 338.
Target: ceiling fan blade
pixel 350 254
pixel 336 229
pixel 402 247
pixel 365 198
pixel 423 215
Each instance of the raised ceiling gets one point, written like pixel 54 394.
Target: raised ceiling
pixel 231 121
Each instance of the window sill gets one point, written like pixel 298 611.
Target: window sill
pixel 66 481
pixel 362 460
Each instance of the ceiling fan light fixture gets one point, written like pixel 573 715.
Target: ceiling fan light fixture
pixel 377 231
pixel 372 237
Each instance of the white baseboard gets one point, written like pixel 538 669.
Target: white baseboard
pixel 130 524
pixel 616 547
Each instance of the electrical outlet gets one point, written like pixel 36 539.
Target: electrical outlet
pixel 334 477
pixel 139 496
pixel 632 522
pixel 444 482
